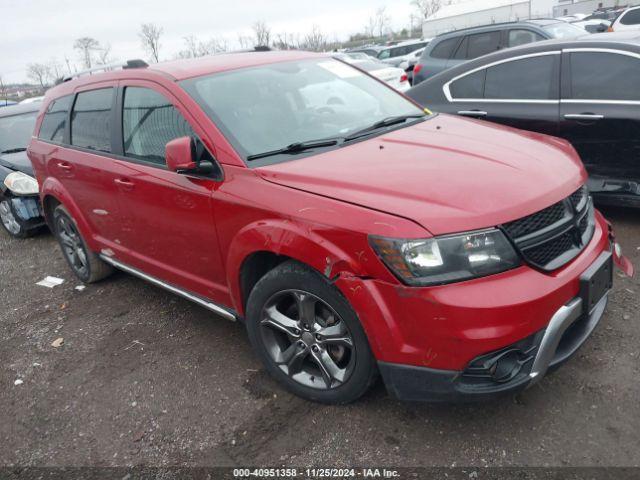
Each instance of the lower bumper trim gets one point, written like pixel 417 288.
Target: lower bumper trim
pixel 567 331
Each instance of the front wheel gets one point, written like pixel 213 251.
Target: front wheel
pixel 308 337
pixel 11 221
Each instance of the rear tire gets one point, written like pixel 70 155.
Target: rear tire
pixel 308 337
pixel 86 265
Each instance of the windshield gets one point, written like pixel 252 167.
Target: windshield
pixel 269 107
pixel 16 131
pixel 564 30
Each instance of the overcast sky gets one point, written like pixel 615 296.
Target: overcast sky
pixel 40 30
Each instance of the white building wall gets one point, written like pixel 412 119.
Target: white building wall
pixel 567 7
pixel 517 11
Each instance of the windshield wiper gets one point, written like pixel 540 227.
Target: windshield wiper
pixel 386 122
pixel 13 150
pixel 297 147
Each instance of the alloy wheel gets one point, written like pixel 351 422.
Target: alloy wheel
pixel 8 219
pixel 72 245
pixel 307 339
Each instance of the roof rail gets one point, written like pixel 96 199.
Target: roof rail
pixel 136 63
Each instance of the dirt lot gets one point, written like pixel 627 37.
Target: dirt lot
pixel 146 378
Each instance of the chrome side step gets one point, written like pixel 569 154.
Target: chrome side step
pixel 223 312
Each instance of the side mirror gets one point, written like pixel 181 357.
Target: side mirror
pixel 601 28
pixel 180 155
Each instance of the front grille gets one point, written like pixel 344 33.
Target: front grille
pixel 537 221
pixel 556 235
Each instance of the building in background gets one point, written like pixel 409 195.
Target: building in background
pixel 473 13
pixel 571 7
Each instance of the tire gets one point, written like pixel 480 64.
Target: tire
pixel 326 359
pixel 86 265
pixel 11 222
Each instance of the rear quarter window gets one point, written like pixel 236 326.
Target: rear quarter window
pixel 55 120
pixel 91 120
pixel 444 49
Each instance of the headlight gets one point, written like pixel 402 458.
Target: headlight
pixel 21 184
pixel 447 259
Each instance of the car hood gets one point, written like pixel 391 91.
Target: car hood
pixel 17 161
pixel 447 174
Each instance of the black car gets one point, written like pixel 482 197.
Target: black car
pixel 586 91
pixel 20 211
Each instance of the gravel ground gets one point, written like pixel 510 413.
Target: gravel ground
pixel 146 378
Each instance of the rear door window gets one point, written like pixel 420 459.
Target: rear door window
pixel 444 49
pixel 604 76
pixel 632 17
pixel 483 43
pixel 522 37
pixel 55 120
pixel 149 122
pixel 534 78
pixel 91 120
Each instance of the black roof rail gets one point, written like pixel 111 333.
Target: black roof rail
pixel 135 63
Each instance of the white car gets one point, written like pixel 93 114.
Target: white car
pixel 32 100
pixel 395 77
pixel 627 20
pixel 395 54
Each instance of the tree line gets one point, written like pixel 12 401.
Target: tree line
pixel 91 52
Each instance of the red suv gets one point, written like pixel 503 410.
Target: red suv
pixel 351 231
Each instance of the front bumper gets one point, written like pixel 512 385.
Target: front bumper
pixel 28 210
pixel 506 371
pixel 425 339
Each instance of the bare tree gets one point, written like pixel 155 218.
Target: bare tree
pixel 382 21
pixel 262 34
pixel 86 46
pixel 286 41
pixel 198 48
pixel 55 67
pixel 245 41
pixel 104 55
pixel 39 73
pixel 68 63
pixel 3 89
pixel 427 8
pixel 150 38
pixel 315 40
pixel 371 27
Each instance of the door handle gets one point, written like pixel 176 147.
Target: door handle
pixel 583 116
pixel 64 166
pixel 472 113
pixel 125 183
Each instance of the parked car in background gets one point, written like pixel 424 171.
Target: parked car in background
pixel 6 103
pixel 451 49
pixel 371 50
pixel 396 54
pixel 20 212
pixel 584 90
pixel 394 77
pixel 409 62
pixel 628 19
pixel 593 26
pixel 459 259
pixel 32 100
